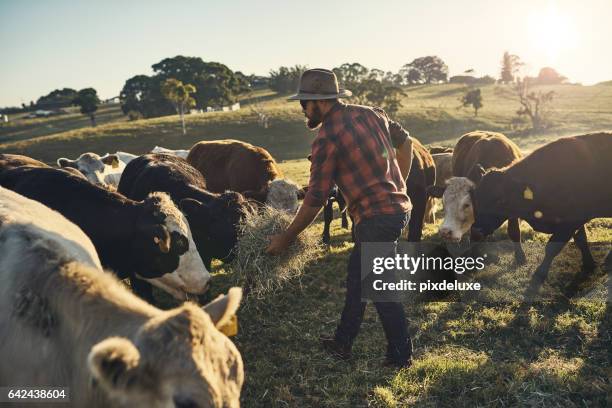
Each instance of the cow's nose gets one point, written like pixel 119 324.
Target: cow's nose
pixel 447 234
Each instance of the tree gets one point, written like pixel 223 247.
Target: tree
pixel 535 105
pixel 510 67
pixel 549 76
pixel 286 79
pixel 87 99
pixel 474 98
pixel 142 94
pixel 216 84
pixel 371 87
pixel 180 96
pixel 58 98
pixel 429 70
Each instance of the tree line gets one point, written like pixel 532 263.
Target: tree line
pixel 181 83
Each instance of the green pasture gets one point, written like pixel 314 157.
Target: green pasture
pixel 430 113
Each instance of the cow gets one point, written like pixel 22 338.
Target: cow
pixel 213 218
pixel 422 175
pixel 247 169
pixel 105 170
pixel 10 161
pixel 479 148
pixel 556 189
pixel 68 323
pixel 444 171
pixel 180 153
pixel 147 241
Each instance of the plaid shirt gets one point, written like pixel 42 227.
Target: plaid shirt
pixel 354 150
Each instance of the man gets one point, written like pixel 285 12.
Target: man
pixel 354 150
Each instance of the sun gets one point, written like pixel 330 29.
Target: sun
pixel 551 32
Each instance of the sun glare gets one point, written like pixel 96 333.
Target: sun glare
pixel 551 32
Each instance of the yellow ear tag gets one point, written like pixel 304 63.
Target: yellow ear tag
pixel 528 194
pixel 538 214
pixel 115 164
pixel 230 328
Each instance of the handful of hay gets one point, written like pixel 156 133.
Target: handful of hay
pixel 261 273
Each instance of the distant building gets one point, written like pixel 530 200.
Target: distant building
pixel 114 99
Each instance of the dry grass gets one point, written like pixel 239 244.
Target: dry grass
pixel 262 273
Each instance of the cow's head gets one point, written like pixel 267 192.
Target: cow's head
pixel 94 167
pixel 498 194
pixel 215 223
pixel 164 250
pixel 179 358
pixel 458 210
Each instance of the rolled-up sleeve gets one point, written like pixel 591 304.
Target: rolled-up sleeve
pixel 397 133
pixel 322 172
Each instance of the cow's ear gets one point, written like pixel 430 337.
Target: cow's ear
pixel 190 206
pixel 436 191
pixel 309 157
pixel 476 173
pixel 112 363
pixel 224 307
pixel 63 162
pixel 111 160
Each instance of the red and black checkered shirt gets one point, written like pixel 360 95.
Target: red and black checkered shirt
pixel 354 150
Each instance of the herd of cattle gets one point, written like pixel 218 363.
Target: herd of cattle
pixel 160 218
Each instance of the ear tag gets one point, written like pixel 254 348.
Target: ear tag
pixel 538 214
pixel 156 240
pixel 230 328
pixel 115 164
pixel 528 194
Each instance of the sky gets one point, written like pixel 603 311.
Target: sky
pixel 50 44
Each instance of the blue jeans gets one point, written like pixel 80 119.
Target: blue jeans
pixel 379 228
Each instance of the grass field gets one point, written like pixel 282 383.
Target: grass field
pixel 430 113
pixel 466 354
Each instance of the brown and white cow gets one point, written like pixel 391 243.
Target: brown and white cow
pixel 247 169
pixel 67 323
pixel 557 189
pixel 476 149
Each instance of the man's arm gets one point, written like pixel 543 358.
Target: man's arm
pixel 404 157
pixel 304 217
pixel 322 172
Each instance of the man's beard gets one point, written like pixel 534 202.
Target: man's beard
pixel 316 119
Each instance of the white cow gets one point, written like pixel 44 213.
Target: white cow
pixel 105 170
pixel 67 323
pixel 180 153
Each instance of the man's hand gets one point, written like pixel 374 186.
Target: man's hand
pixel 279 243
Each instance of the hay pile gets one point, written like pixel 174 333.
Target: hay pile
pixel 260 273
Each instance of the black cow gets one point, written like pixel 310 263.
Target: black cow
pixel 147 241
pixel 335 196
pixel 556 189
pixel 213 218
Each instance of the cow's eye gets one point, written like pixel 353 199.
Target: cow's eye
pixel 180 244
pixel 466 206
